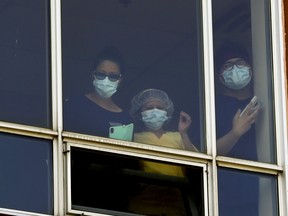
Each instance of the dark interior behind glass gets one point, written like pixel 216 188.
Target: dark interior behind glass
pixel 102 182
pixel 25 62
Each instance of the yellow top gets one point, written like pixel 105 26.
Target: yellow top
pixel 168 139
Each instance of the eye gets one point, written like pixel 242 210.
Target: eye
pixel 99 75
pixel 227 66
pixel 241 63
pixel 114 77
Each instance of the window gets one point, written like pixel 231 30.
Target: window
pixel 25 63
pixel 26 182
pixel 123 185
pixel 161 50
pixel 244 31
pixel 242 193
pixel 92 94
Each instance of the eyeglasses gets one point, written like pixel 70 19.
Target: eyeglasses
pixel 112 77
pixel 238 63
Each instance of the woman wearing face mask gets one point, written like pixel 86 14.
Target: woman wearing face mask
pixel 235 131
pixel 94 112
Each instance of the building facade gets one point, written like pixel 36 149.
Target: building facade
pixel 67 147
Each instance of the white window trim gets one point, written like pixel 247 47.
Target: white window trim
pixel 61 193
pixel 280 86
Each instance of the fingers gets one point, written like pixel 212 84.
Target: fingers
pixel 252 116
pixel 185 117
pixel 237 115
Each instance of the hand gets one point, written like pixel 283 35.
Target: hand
pixel 241 124
pixel 184 122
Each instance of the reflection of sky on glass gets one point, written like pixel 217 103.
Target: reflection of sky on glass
pixel 26 181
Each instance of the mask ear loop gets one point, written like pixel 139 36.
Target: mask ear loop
pixel 221 78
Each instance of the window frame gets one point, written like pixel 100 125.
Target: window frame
pixel 213 161
pixel 209 160
pixel 90 145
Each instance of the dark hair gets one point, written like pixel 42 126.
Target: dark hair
pixel 228 51
pixel 111 54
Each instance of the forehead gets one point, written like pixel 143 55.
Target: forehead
pixel 153 103
pixel 108 66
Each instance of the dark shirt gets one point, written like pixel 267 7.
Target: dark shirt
pixel 238 191
pixel 226 108
pixel 81 115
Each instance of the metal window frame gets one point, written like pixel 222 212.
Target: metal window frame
pixel 210 161
pixel 93 146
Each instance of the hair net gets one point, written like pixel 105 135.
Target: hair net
pixel 151 94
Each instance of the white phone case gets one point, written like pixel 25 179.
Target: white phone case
pixel 254 100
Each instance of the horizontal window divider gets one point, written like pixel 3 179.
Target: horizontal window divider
pixel 98 212
pixel 132 148
pixel 26 130
pixel 247 165
pixel 19 213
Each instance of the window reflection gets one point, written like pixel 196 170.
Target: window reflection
pixel 242 44
pixel 242 193
pixel 101 182
pixel 160 50
pixel 24 73
pixel 26 181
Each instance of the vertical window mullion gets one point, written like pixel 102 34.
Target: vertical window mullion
pixel 209 103
pixel 280 85
pixel 57 123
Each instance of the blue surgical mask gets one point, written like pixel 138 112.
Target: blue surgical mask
pixel 154 118
pixel 105 88
pixel 237 77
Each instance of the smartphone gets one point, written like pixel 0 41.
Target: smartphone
pixel 122 132
pixel 254 101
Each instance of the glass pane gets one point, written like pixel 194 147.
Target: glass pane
pixel 160 46
pixel 245 193
pixel 26 181
pixel 105 183
pixel 243 69
pixel 25 62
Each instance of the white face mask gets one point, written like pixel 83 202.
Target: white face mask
pixel 154 119
pixel 237 77
pixel 105 88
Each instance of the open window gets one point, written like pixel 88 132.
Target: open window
pixel 119 184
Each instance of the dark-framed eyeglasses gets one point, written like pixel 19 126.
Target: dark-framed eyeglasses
pixel 238 63
pixel 112 77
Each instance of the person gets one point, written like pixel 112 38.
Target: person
pixel 235 131
pixel 95 112
pixel 151 110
